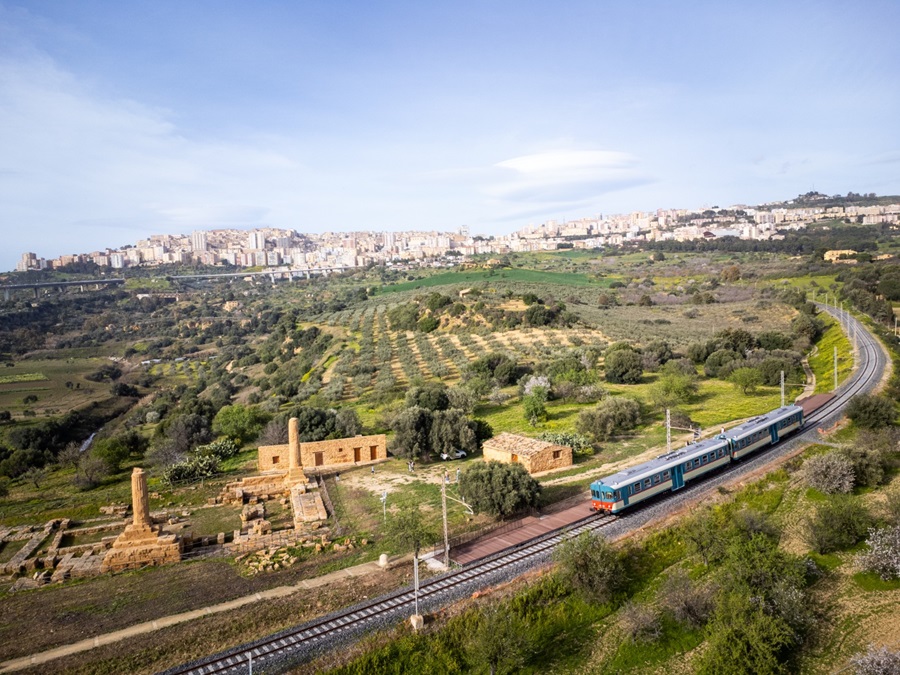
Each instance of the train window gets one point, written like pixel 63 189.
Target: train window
pixel 705 459
pixel 665 474
pixel 655 479
pixel 647 482
pixel 637 487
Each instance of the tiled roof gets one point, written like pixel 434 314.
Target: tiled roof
pixel 520 445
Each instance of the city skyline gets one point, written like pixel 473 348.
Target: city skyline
pixel 120 121
pixel 283 249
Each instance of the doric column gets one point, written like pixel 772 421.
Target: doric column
pixel 294 443
pixel 140 500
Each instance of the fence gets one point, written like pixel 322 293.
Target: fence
pixel 503 527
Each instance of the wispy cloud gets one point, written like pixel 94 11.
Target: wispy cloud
pixel 82 163
pixel 565 177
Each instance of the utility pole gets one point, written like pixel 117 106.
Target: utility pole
pixel 416 578
pixel 835 368
pixel 446 532
pixel 782 388
pixel 668 431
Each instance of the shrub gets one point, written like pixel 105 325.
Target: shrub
pixel 869 460
pixel 871 412
pixel 534 409
pixel 240 422
pixel 747 380
pixel 836 524
pixel 876 661
pixel 883 556
pixel 689 602
pixel 718 360
pixel 623 366
pixel 91 472
pixel 452 430
pixel 830 473
pixel 671 389
pixel 431 396
pixel 191 470
pixel 223 449
pixel 612 416
pixel 497 489
pixel 579 444
pixel 591 567
pixel 743 638
pixel 640 622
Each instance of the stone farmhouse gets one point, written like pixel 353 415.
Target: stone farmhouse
pixel 535 455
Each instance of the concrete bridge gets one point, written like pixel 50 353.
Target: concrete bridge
pixel 95 284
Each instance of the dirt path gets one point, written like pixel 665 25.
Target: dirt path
pixel 48 655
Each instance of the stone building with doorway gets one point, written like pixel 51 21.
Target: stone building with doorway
pixel 334 453
pixel 535 455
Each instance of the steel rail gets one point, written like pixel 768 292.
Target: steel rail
pixel 357 619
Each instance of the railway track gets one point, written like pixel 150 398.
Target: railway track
pixel 302 643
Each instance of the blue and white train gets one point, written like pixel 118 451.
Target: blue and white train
pixel 674 470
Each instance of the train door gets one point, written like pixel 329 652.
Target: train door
pixel 677 476
pixel 773 431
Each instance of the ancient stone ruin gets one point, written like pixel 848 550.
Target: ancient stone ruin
pixel 142 543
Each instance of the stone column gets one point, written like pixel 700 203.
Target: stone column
pixel 294 443
pixel 140 500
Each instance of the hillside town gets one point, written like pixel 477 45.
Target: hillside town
pixel 286 248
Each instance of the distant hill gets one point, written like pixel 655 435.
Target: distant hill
pixel 850 199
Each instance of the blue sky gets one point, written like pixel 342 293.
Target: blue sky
pixel 121 119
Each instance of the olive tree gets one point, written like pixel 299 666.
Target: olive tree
pixel 591 566
pixel 624 366
pixel 612 416
pixel 871 412
pixel 836 524
pixel 499 489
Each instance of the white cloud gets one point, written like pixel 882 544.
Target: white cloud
pixel 79 164
pixel 565 176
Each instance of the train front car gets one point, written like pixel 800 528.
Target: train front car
pixel 603 497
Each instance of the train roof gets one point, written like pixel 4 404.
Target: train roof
pixel 640 471
pixel 753 425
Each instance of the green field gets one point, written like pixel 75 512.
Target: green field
pixel 22 377
pixel 500 275
pixel 822 361
pixel 62 384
